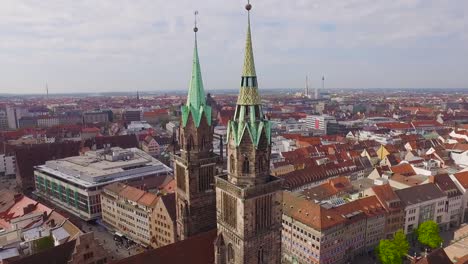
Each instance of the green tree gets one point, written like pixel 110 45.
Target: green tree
pixel 388 252
pixel 428 234
pixel 400 241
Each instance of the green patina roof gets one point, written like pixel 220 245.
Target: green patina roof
pixel 196 102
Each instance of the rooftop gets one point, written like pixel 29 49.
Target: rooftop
pixel 420 193
pixel 104 166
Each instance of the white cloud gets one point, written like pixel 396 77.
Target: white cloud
pixel 147 44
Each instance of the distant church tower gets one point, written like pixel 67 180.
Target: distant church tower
pixel 248 198
pixel 196 165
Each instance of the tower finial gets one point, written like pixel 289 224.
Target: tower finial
pixel 248 6
pixel 195 28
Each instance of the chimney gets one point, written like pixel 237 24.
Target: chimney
pixel 17 197
pixel 44 216
pixel 29 208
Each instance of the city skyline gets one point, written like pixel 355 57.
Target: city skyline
pixel 124 47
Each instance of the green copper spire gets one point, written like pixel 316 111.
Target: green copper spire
pixel 196 95
pixel 248 94
pixel 196 102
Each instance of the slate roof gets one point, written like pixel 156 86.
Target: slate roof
pixel 198 249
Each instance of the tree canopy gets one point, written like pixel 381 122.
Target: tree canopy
pixel 428 234
pixel 392 251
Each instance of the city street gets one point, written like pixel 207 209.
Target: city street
pixel 106 238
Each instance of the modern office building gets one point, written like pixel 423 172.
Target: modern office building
pixel 130 115
pixel 95 117
pixel 319 122
pixel 75 183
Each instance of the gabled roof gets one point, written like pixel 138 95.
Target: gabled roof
pixel 404 169
pixel 462 178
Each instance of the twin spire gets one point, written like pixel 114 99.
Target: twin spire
pixel 196 95
pixel 196 101
pixel 248 94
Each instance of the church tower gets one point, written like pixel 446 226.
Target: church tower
pixel 248 198
pixel 195 166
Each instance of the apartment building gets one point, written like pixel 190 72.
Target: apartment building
pixel 92 117
pixel 140 216
pixel 163 222
pixel 324 233
pixel 127 210
pixel 75 183
pixel 454 203
pixel 7 165
pixel 461 181
pixel 392 204
pixel 422 203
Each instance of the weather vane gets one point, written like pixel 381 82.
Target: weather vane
pixel 195 29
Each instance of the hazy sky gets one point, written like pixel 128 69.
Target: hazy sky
pixel 117 45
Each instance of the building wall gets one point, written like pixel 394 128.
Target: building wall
pixel 7 165
pixel 3 120
pixel 48 122
pixel 95 117
pixel 127 217
pixel 415 214
pixel 303 244
pixel 163 228
pixel 88 251
pixel 75 199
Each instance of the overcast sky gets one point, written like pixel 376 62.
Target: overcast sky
pixel 118 45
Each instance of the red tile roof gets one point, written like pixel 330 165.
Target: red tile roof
pixel 462 178
pixel 404 169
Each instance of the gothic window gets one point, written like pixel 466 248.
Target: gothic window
pixel 260 164
pixel 203 142
pixel 260 255
pixel 230 253
pixel 232 164
pixel 190 143
pixel 246 166
pixel 180 177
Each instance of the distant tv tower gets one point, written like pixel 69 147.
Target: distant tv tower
pixel 306 92
pixel 47 91
pixel 317 95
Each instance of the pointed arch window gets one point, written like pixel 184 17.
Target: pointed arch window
pixel 232 163
pixel 246 165
pixel 260 256
pixel 230 253
pixel 190 143
pixel 203 142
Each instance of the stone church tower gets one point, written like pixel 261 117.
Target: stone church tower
pixel 248 198
pixel 196 165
